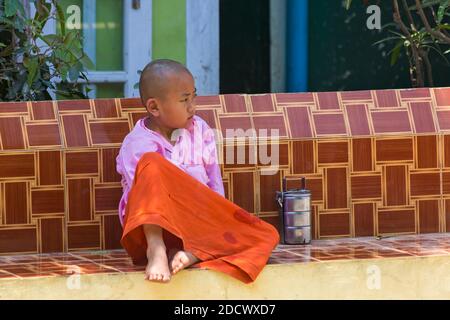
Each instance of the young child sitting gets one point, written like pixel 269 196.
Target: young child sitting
pixel 173 209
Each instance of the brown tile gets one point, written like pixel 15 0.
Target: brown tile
pixel 332 152
pixel 16 165
pixel 394 149
pixel 79 198
pixel 358 121
pixel 329 124
pixel 447 215
pixel 423 117
pixel 240 156
pixel 391 121
pixel 49 168
pixel 312 184
pixel 109 173
pixel 425 184
pixel 83 237
pixel 427 152
pixel 366 186
pixel 396 221
pixel 13 107
pixel 16 204
pixel 303 157
pixel 43 110
pixel 43 135
pixel 112 232
pixel 445 182
pixel 107 199
pixel 270 126
pixel 51 231
pixel 209 116
pixel 274 221
pixel 108 132
pixel 235 126
pixel 47 201
pixel 386 99
pixel 363 217
pixel 442 96
pixel 105 108
pixel 75 131
pixel 395 181
pixel 24 240
pixel 269 155
pixel 262 103
pixel 428 216
pixel 131 103
pixel 243 190
pixel 362 159
pixel 11 133
pixel 268 186
pixel 334 224
pixel 235 103
pixel 136 116
pixel 446 142
pixel 74 105
pixel 298 115
pixel 336 180
pixel 82 162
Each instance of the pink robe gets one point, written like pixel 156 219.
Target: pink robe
pixel 194 152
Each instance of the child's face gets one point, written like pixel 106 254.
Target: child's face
pixel 177 108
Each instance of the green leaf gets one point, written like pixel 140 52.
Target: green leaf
pixel 396 52
pixel 32 66
pixel 51 39
pixel 348 4
pixel 87 62
pixel 61 18
pixel 443 6
pixel 11 7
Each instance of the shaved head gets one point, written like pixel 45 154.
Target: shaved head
pixel 156 78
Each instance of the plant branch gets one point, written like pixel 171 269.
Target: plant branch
pixel 437 34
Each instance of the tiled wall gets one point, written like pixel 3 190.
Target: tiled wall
pixel 377 162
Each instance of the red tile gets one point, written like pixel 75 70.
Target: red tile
pixel 47 201
pixel 357 118
pixel 363 217
pixel 131 103
pixel 442 97
pixel 291 98
pixel 427 152
pixel 415 93
pixel 235 103
pixel 82 162
pixel 394 149
pixel 105 108
pixel 303 157
pixel 299 122
pixel 209 116
pixel 50 168
pixel 328 100
pixel 235 123
pixel 43 110
pixel 265 124
pixel 312 184
pixel 396 221
pixel 386 99
pixel 112 232
pixel 11 133
pixel 356 95
pixel 395 181
pixel 52 239
pixel 83 237
pixel 109 173
pixel 262 103
pixel 443 119
pixel 334 224
pixel 208 101
pixel 79 198
pixel 364 187
pixel 332 152
pixel 428 216
pixel 423 118
pixel 16 165
pixel 391 121
pixel 13 107
pixel 329 124
pixel 24 240
pixel 107 199
pixel 43 135
pixel 16 204
pixel 425 184
pixel 75 131
pixel 108 132
pixel 269 155
pixel 243 190
pixel 268 186
pixel 362 154
pixel 136 116
pixel 336 180
pixel 74 105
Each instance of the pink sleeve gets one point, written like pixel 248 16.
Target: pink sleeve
pixel 211 162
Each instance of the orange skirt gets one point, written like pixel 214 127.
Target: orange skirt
pixel 194 218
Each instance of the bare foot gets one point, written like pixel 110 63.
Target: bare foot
pixel 181 260
pixel 157 268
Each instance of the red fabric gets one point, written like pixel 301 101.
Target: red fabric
pixel 222 235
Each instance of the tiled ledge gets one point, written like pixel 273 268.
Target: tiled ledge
pixel 403 267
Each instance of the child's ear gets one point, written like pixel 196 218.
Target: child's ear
pixel 152 107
